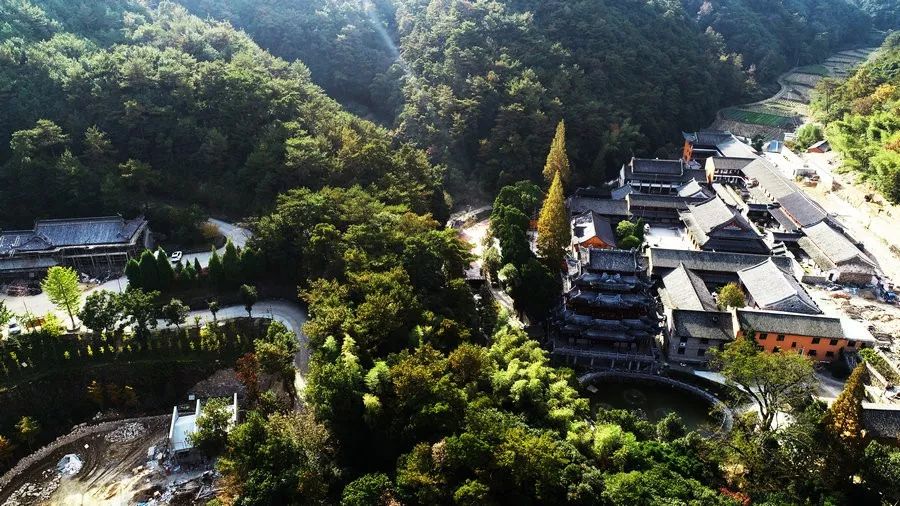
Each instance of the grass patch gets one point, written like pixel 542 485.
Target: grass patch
pixel 816 70
pixel 758 118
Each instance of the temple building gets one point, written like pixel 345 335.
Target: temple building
pixel 712 266
pixel 768 286
pixel 655 176
pixel 96 246
pixel 714 226
pixel 726 170
pixel 837 257
pixel 694 323
pixel 816 336
pixel 608 317
pixel 590 230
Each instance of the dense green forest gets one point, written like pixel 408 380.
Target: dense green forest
pixel 419 391
pixel 773 36
pixel 347 45
pixel 114 107
pixel 885 13
pixel 481 85
pixel 862 114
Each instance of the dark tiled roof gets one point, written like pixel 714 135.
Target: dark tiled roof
pixel 693 189
pixel 772 288
pixel 775 185
pixel 685 290
pixel 26 263
pixel 728 197
pixel 715 226
pixel 711 214
pixel 710 261
pixel 657 166
pixel 783 219
pixel 882 420
pixel 590 224
pixel 659 201
pixel 716 325
pixel 801 209
pixel 50 234
pixel 834 245
pixel 662 171
pixel 613 260
pixel 601 206
pixel 790 323
pixel 621 192
pixel 727 163
pixel 707 137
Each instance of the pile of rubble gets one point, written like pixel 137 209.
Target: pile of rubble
pixel 884 320
pixel 35 493
pixel 126 433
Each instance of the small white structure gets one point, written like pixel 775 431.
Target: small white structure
pixel 183 426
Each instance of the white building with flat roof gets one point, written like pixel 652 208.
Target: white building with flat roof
pixel 183 425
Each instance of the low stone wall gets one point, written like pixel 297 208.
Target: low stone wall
pixel 727 414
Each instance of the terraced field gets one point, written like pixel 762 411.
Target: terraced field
pixel 758 117
pixel 787 109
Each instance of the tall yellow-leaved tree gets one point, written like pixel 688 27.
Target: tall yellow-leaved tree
pixel 553 225
pixel 843 420
pixel 557 159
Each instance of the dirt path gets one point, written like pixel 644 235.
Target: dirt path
pixel 110 454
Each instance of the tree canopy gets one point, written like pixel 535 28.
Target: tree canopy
pixel 862 114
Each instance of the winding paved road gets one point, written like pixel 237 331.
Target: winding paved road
pixel 291 314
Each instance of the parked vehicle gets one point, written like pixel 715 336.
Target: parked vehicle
pixel 175 256
pixel 14 329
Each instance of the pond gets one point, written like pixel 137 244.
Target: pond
pixel 654 399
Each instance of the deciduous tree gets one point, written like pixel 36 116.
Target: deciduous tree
pixel 731 295
pixel 61 286
pixel 102 310
pixel 554 234
pixel 844 425
pixel 211 434
pixel 139 310
pixel 776 382
pixel 175 312
pixel 249 296
pixel 28 429
pixel 6 315
pixel 7 448
pixel 558 159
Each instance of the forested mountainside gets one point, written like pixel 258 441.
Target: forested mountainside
pixel 885 13
pixel 482 84
pixel 347 45
pixel 773 36
pixel 116 107
pixel 862 114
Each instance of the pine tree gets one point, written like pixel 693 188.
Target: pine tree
pixel 215 271
pixel 553 226
pixel 843 420
pixel 165 273
pixel 557 159
pixel 149 271
pixel 133 273
pixel 251 265
pixel 231 265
